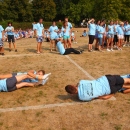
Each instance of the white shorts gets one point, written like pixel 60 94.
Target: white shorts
pixel 120 36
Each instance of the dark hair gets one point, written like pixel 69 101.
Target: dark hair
pixel 70 89
pixel 9 23
pixel 43 72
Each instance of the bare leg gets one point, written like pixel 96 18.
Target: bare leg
pixel 38 47
pixel 10 46
pixel 24 84
pixel 6 76
pixel 14 46
pixel 126 91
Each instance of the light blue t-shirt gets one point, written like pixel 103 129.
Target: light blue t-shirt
pixel 84 34
pixel 9 30
pixel 34 26
pixel 120 30
pixel 67 32
pixel 92 29
pixel 39 27
pixel 110 29
pixel 101 30
pixel 127 29
pixel 52 30
pixel 1 30
pixel 3 85
pixel 88 90
pixel 70 25
pixel 60 48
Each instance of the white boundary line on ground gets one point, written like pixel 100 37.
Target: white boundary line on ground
pixel 26 108
pixel 79 67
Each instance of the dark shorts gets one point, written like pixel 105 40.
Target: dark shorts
pixel 116 82
pixel 11 84
pixel 91 39
pixel 11 38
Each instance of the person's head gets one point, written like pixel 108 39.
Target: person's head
pixel 98 22
pixel 53 23
pixel 116 22
pixel 121 24
pixel 71 89
pixel 66 19
pixel 41 72
pixel 40 20
pixel 111 22
pixel 101 24
pixel 9 23
pixel 84 30
pixel 126 22
pixel 65 24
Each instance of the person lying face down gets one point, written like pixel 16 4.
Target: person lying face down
pixel 103 88
pixel 16 82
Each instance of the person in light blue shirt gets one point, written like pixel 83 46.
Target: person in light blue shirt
pixel 101 32
pixel 1 40
pixel 53 33
pixel 10 33
pixel 39 35
pixel 66 35
pixel 127 33
pixel 84 34
pixel 101 88
pixel 120 35
pixel 92 32
pixel 110 36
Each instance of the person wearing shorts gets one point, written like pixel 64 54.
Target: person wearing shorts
pixel 10 35
pixel 110 36
pixel 103 88
pixel 101 32
pixel 92 32
pixel 127 33
pixel 53 32
pixel 66 35
pixel 120 35
pixel 39 30
pixel 1 40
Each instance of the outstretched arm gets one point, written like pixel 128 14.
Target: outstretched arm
pixel 106 96
pixel 39 77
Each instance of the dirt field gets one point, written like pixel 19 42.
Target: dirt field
pixel 98 115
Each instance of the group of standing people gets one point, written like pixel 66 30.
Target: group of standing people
pixel 113 35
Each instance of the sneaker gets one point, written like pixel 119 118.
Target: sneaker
pixel 44 81
pixel 108 50
pixel 112 50
pixel 46 76
pixel 124 45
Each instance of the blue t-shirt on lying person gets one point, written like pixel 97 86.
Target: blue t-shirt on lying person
pixel 3 85
pixel 90 89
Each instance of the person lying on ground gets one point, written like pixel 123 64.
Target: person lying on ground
pixel 67 51
pixel 15 82
pixel 103 88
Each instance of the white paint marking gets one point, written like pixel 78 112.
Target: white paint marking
pixel 80 68
pixel 25 108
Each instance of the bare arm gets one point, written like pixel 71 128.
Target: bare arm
pixel 90 21
pixel 39 77
pixel 106 96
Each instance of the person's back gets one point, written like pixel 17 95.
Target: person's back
pixel 88 90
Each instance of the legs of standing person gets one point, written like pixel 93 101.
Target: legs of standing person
pixel 69 43
pixel 13 41
pixel 91 40
pixel 51 44
pixel 96 43
pixel 1 47
pixel 65 43
pixel 39 44
pixel 100 43
pixel 38 47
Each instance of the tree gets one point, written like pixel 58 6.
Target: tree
pixel 45 9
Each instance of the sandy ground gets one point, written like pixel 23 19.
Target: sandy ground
pixel 108 115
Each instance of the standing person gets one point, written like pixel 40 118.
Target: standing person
pixel 66 35
pixel 92 32
pixel 39 35
pixel 101 32
pixel 115 34
pixel 127 32
pixel 110 36
pixel 10 35
pixel 105 34
pixel 120 35
pixel 96 36
pixel 70 27
pixel 1 40
pixel 53 33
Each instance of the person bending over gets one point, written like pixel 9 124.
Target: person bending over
pixel 103 88
pixel 15 82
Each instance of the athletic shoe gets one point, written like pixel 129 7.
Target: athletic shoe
pixel 44 81
pixel 112 50
pixel 46 76
pixel 124 45
pixel 108 50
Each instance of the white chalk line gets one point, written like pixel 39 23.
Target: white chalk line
pixel 80 68
pixel 46 106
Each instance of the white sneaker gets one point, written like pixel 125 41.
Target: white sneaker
pixel 124 45
pixel 108 49
pixel 112 50
pixel 46 76
pixel 44 81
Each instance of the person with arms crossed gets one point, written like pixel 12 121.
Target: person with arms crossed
pixel 1 40
pixel 39 35
pixel 10 35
